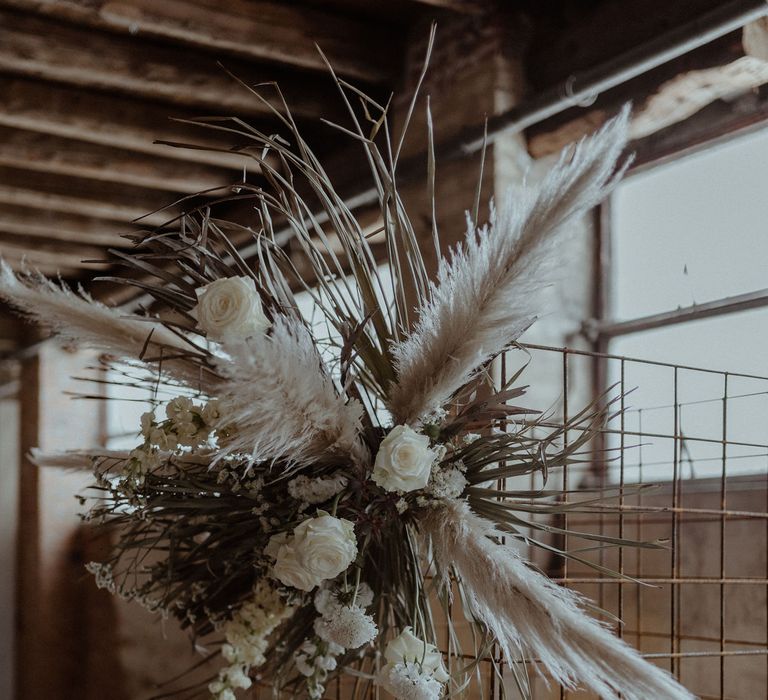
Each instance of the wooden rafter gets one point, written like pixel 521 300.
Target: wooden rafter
pixel 35 223
pixel 51 154
pixel 470 7
pixel 90 205
pixel 667 95
pixel 47 254
pixel 273 31
pixel 41 48
pixel 107 120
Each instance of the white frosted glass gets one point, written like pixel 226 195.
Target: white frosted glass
pixel 692 231
pixel 735 344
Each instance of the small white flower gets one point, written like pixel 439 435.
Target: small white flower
pixel 404 460
pixel 349 627
pixel 314 491
pixel 179 410
pixel 303 666
pixel 160 439
pixel 447 483
pixel 246 636
pixel 230 309
pixel 143 459
pixel 147 421
pixel 407 647
pixel 327 663
pixel 211 413
pixel 407 681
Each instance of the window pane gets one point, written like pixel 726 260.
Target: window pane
pixel 692 231
pixel 733 343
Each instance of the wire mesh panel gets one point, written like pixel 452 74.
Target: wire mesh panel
pixel 683 464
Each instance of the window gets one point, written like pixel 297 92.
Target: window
pixel 687 285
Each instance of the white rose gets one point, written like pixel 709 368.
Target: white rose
pixel 290 571
pixel 274 544
pixel 230 309
pixel 320 549
pixel 407 647
pixel 404 460
pixel 326 545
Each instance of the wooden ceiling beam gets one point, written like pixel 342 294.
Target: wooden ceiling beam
pixel 50 255
pixel 58 226
pixel 41 48
pixel 254 29
pixel 467 7
pixel 107 120
pixel 92 206
pixel 667 95
pixel 52 154
pixel 570 37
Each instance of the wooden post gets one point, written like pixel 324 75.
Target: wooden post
pixel 28 532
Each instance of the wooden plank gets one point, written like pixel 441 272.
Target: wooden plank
pixel 55 155
pixel 468 7
pixel 569 37
pixel 716 123
pixel 57 226
pixel 107 120
pixel 51 255
pixel 663 97
pixel 41 48
pixel 28 581
pixel 81 206
pixel 10 327
pixel 272 31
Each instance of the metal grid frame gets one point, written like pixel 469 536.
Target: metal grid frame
pixel 672 513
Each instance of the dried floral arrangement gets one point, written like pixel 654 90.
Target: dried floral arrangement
pixel 309 506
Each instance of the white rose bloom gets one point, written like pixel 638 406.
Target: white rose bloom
pixel 320 549
pixel 230 309
pixel 404 460
pixel 290 571
pixel 407 647
pixel 326 545
pixel 274 544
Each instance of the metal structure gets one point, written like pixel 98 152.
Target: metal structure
pixel 698 607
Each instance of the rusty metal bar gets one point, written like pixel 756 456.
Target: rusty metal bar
pixel 696 312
